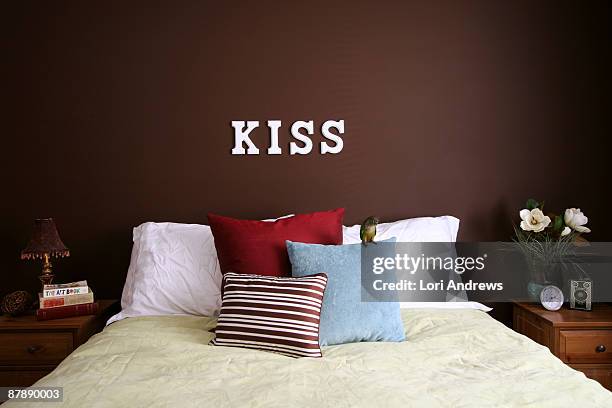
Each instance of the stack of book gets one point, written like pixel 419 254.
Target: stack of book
pixel 66 300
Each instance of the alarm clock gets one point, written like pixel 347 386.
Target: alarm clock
pixel 551 298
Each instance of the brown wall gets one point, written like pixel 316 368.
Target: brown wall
pixel 119 112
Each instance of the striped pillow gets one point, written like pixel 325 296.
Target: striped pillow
pixel 271 313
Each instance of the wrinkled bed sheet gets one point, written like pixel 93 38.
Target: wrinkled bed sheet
pixel 452 358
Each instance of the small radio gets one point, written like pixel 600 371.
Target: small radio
pixel 581 294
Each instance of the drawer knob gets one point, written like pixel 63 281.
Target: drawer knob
pixel 33 349
pixel 600 349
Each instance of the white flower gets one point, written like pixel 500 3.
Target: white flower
pixel 575 219
pixel 534 220
pixel 566 231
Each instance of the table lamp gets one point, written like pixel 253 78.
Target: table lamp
pixel 44 244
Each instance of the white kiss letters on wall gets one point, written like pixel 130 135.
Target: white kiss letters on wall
pixel 301 131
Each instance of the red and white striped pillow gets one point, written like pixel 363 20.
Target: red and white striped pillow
pixel 271 313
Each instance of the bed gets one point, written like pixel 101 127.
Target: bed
pixel 451 358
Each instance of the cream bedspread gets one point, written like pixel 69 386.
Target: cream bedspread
pixel 452 358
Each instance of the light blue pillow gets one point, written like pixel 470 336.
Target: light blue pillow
pixel 345 318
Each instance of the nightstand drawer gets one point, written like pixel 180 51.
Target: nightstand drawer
pixel 34 348
pixel 601 373
pixel 22 378
pixel 585 346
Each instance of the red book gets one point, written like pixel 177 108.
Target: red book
pixel 67 311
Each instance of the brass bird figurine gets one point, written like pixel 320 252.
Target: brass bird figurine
pixel 368 230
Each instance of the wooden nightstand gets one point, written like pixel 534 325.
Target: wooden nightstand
pixel 30 349
pixel 583 340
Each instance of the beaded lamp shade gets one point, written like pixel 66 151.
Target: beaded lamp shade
pixel 45 240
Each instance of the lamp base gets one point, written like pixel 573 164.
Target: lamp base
pixel 46 278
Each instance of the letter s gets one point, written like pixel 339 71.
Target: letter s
pixel 325 148
pixel 293 147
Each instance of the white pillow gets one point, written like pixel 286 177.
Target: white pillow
pixel 173 270
pixel 425 229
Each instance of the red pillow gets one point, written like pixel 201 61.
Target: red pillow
pixel 259 248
